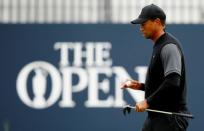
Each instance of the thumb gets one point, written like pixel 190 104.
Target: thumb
pixel 136 108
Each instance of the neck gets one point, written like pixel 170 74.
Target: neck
pixel 157 35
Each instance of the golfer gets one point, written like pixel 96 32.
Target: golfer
pixel 165 86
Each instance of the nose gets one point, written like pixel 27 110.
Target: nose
pixel 141 28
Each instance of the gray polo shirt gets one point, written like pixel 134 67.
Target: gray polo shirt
pixel 171 59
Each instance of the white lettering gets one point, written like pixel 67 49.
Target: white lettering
pixel 95 86
pixel 103 54
pixel 83 67
pixel 142 71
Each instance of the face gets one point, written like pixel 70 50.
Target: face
pixel 148 28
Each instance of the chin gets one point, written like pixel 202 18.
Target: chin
pixel 147 37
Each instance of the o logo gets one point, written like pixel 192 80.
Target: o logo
pixel 39 84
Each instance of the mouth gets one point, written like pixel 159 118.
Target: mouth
pixel 142 33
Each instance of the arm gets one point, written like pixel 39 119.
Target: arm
pixel 171 60
pixel 165 90
pixel 133 84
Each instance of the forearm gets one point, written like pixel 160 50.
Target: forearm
pixel 141 86
pixel 166 90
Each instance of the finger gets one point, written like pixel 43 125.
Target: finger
pixel 123 85
pixel 134 82
pixel 142 110
pixel 137 108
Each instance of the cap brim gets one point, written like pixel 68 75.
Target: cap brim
pixel 138 21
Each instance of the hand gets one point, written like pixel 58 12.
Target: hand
pixel 141 106
pixel 131 84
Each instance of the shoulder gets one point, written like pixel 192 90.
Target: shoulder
pixel 171 59
pixel 170 49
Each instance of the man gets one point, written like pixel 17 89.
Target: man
pixel 165 85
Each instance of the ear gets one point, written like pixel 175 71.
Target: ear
pixel 158 21
pixel 164 26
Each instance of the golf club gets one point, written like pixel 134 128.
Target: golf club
pixel 127 108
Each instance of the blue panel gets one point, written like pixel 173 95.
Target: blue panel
pixel 24 44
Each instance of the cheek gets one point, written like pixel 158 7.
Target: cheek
pixel 150 28
pixel 154 27
pixel 147 29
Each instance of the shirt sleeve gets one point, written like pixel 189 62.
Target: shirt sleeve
pixel 171 59
pixel 163 94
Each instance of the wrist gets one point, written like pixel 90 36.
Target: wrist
pixel 141 86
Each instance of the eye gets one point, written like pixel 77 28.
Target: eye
pixel 142 24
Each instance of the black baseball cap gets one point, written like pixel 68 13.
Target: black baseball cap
pixel 150 12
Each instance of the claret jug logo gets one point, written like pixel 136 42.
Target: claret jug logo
pixel 91 63
pixel 39 84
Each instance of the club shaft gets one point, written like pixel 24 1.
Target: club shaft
pixel 157 111
pixel 168 113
